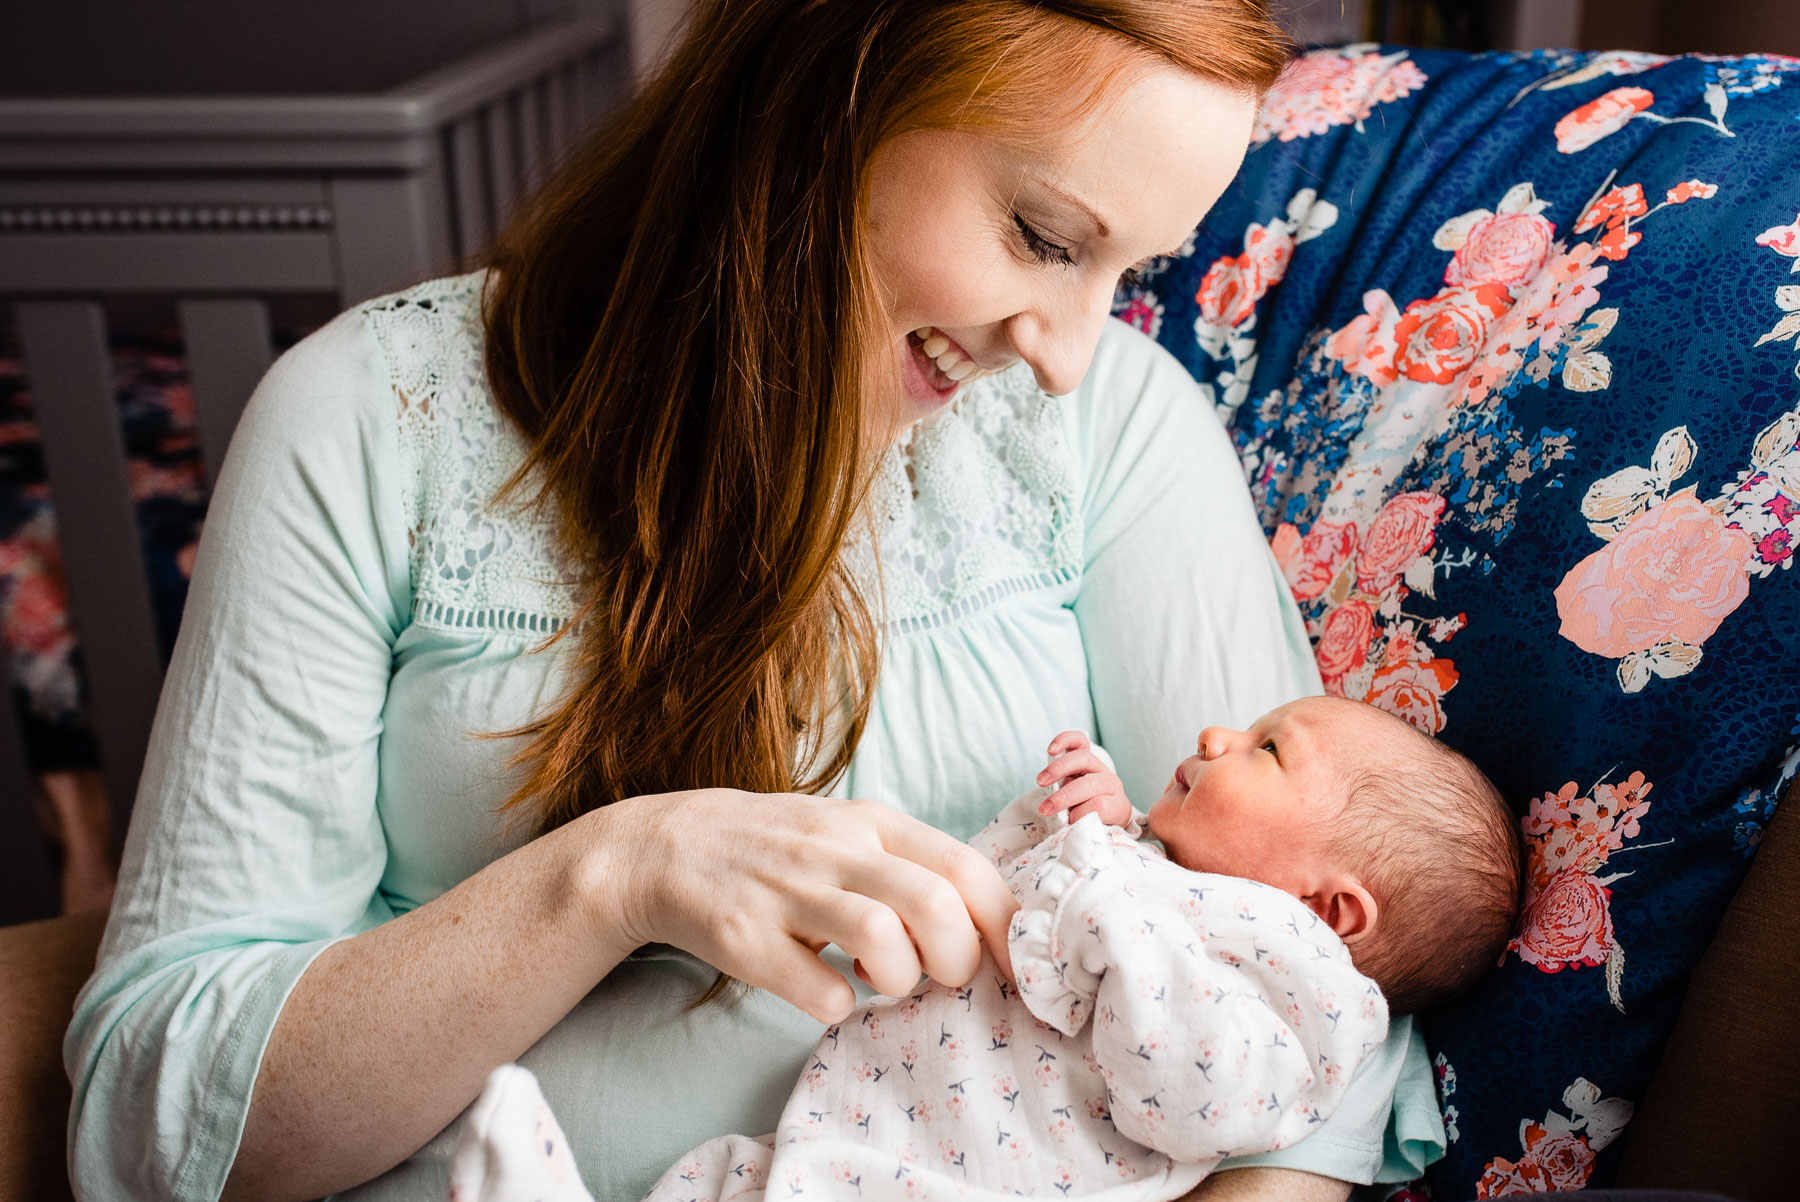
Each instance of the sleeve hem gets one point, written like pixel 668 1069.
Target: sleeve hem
pixel 233 1079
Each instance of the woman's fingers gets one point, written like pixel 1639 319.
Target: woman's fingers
pixel 796 975
pixel 873 933
pixel 948 952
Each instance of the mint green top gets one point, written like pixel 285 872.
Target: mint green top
pixel 359 609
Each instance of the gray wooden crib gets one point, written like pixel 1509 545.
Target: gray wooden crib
pixel 223 197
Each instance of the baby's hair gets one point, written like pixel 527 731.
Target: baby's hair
pixel 1443 861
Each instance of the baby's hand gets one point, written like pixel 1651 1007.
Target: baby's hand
pixel 1087 786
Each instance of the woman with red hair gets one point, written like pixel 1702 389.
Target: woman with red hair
pixel 782 453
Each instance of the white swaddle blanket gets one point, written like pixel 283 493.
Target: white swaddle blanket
pixel 1227 1019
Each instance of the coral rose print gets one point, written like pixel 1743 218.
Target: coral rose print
pixel 1442 337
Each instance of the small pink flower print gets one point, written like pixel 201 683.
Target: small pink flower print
pixel 1617 242
pixel 1683 192
pixel 1614 208
pixel 1601 117
pixel 1551 1162
pixel 1782 239
pixel 1066 1175
pixel 1415 691
pixel 1569 922
pixel 1344 642
pixel 1002 1032
pixel 1676 572
pixel 947 1149
pixel 1004 1085
pixel 1503 248
pixel 1405 529
pixel 1143 313
pixel 1047 1075
pixel 1311 563
pixel 841 1170
pixel 1440 337
pixel 954 1106
pixel 815 1080
pixel 1096 1108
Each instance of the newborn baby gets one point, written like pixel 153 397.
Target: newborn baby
pixel 1317 870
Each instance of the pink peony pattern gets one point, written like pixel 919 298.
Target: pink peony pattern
pixel 1671 576
pixel 1506 249
pixel 1334 87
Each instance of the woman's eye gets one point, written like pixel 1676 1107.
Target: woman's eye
pixel 1041 248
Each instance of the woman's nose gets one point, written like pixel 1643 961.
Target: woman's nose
pixel 1058 339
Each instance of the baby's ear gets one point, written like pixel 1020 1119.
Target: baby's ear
pixel 1347 907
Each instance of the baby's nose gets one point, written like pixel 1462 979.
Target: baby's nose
pixel 1215 741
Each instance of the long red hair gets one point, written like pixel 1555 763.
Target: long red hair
pixel 682 324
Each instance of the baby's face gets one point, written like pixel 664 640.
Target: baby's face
pixel 1259 803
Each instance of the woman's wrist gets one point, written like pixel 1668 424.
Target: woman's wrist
pixel 612 874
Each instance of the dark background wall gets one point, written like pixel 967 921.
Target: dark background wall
pixel 200 47
pixel 1681 26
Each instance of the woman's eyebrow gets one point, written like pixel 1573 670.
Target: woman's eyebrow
pixel 1076 202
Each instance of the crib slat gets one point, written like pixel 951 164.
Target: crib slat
pixel 469 189
pixel 27 891
pixel 523 107
pixel 502 160
pixel 228 350
pixel 560 104
pixel 70 375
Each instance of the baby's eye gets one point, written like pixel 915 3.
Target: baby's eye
pixel 1268 745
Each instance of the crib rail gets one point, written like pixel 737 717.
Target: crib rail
pixel 223 203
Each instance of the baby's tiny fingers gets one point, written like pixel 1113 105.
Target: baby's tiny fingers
pixel 1078 762
pixel 1068 740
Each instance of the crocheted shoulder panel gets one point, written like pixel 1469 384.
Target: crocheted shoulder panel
pixel 971 506
pixel 475 564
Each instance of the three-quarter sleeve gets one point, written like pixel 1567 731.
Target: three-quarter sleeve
pixel 255 842
pixel 1186 622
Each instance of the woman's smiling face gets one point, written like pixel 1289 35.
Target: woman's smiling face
pixel 988 250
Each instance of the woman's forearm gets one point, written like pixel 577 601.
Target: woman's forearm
pixel 1269 1185
pixel 404 1021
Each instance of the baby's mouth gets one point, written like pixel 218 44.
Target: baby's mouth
pixel 943 361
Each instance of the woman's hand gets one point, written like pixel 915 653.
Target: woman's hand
pixel 756 884
pixel 1087 785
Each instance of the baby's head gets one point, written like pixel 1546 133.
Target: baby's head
pixel 1396 841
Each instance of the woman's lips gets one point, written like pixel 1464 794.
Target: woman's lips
pixel 926 383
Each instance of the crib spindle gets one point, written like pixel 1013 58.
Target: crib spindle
pixel 66 359
pixel 228 350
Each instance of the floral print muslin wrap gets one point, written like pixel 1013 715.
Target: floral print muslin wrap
pixel 1163 1020
pixel 1508 346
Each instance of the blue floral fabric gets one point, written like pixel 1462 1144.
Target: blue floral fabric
pixel 1508 346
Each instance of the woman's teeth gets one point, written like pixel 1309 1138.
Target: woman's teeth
pixel 952 364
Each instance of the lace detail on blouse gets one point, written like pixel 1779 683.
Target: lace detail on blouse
pixel 975 506
pixel 474 564
pixel 971 507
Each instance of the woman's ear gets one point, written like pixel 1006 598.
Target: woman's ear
pixel 1347 907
